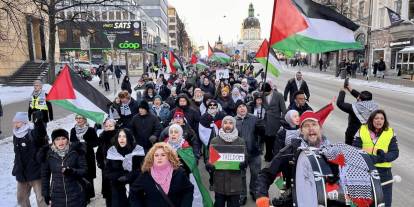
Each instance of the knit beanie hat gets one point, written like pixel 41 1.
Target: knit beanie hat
pixel 158 96
pixel 143 105
pixel 231 119
pixel 21 117
pixel 59 133
pixel 239 103
pixel 178 113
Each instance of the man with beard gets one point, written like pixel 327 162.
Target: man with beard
pixel 296 84
pixel 275 108
pixel 228 183
pixel 310 136
pixel 299 104
pixel 198 97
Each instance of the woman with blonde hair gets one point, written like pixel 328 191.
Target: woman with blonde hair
pixel 162 182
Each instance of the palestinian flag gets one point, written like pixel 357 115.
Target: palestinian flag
pixel 176 62
pixel 73 93
pixel 303 25
pixel 217 55
pixel 279 182
pixel 201 65
pixel 273 64
pixel 201 194
pixel 194 59
pixel 226 157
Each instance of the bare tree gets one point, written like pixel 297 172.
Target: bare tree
pixel 182 35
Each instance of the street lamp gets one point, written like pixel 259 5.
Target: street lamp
pixel 111 39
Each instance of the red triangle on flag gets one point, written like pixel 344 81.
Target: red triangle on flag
pixel 218 123
pixel 210 50
pixel 62 87
pixel 172 61
pixel 262 52
pixel 287 21
pixel 214 155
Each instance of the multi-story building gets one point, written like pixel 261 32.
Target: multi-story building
pixel 172 27
pixel 250 33
pixel 158 11
pixel 137 35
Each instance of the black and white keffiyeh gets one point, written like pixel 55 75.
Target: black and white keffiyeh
pixel 363 109
pixel 353 172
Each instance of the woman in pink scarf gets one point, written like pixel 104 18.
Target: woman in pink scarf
pixel 163 182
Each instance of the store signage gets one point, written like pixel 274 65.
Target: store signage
pixel 401 43
pixel 129 45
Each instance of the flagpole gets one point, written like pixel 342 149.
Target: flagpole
pixel 268 46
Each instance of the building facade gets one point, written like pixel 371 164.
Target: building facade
pixel 250 34
pixel 172 27
pixel 158 11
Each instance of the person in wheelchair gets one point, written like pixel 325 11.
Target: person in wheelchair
pixel 310 136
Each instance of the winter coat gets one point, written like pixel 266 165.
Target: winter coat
pixel 115 168
pixel 164 113
pixel 118 72
pixel 46 114
pixel 64 190
pixel 291 88
pixel 206 125
pixel 381 66
pixel 192 116
pixel 353 122
pixel 26 167
pixel 171 101
pixel 274 111
pixel 300 109
pixel 143 127
pixel 208 89
pixel 248 130
pixel 104 143
pixel 91 141
pixel 105 76
pixel 284 130
pixel 126 85
pixel 228 182
pixel 125 120
pixel 144 193
pixel 164 92
pixel 189 135
pixel 228 105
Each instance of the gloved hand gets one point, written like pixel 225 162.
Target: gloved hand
pixel 242 165
pixel 67 171
pixel 123 179
pixel 210 167
pixel 380 156
pixel 152 139
pixel 263 202
pixel 47 199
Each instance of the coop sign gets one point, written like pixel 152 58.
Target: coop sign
pixel 129 45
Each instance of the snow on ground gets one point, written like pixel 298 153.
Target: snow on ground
pixel 12 94
pixel 7 181
pixel 370 83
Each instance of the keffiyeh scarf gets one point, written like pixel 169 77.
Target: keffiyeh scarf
pixel 80 131
pixel 363 109
pixel 353 172
pixel 113 154
pixel 228 137
pixel 125 110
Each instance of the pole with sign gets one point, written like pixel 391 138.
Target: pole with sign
pixel 111 39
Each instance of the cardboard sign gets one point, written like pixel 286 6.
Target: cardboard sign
pixel 222 74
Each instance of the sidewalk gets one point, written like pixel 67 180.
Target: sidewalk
pixel 394 80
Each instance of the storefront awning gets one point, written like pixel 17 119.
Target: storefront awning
pixel 407 49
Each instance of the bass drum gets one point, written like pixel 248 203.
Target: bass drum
pixel 310 178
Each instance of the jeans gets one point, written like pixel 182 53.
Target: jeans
pixel 231 200
pixel 255 164
pixel 23 193
pixel 386 175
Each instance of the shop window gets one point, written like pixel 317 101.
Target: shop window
pixel 171 27
pixel 97 15
pixel 104 15
pixel 132 16
pixel 111 15
pixel 76 33
pixel 411 57
pixel 125 15
pixel 118 15
pixel 405 57
pixel 63 36
pixel 411 10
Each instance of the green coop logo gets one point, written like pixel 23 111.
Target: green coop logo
pixel 129 45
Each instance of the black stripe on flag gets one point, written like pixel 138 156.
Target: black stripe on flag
pixel 318 11
pixel 236 149
pixel 90 92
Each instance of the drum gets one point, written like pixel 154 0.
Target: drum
pixel 313 174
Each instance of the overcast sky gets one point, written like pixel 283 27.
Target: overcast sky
pixel 205 19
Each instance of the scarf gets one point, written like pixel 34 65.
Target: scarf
pixel 353 172
pixel 229 137
pixel 113 154
pixel 162 175
pixel 259 112
pixel 305 144
pixel 22 131
pixel 125 110
pixel 176 145
pixel 61 152
pixel 80 131
pixel 363 109
pixel 157 109
pixel 212 112
pixel 291 134
pixel 36 93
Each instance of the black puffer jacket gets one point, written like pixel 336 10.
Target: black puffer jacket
pixel 143 127
pixel 249 130
pixel 26 168
pixel 192 115
pixel 125 120
pixel 91 141
pixel 64 190
pixel 105 142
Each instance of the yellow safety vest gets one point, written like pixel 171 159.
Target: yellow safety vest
pixel 36 104
pixel 382 143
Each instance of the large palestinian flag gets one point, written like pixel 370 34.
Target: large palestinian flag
pixel 73 93
pixel 273 65
pixel 303 25
pixel 201 195
pixel 217 55
pixel 227 157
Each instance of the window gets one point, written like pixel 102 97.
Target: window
pixel 76 35
pixel 104 15
pixel 118 15
pixel 171 27
pixel 361 9
pixel 172 19
pixel 173 42
pixel 125 15
pixel 397 6
pixel 172 35
pixel 97 15
pixel 111 15
pixel 411 9
pixel 63 36
pixel 92 34
pixel 132 16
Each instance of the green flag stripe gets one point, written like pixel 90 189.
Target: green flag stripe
pixel 270 68
pixel 310 45
pixel 97 117
pixel 227 165
pixel 189 159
